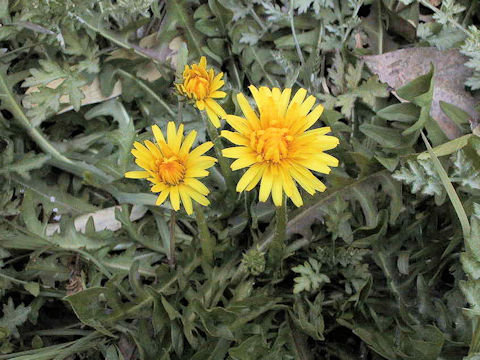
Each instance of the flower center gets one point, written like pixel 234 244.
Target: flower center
pixel 197 85
pixel 271 144
pixel 170 170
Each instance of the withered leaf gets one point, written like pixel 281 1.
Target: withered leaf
pixel 399 67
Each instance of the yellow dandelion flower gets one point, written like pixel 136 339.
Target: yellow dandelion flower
pixel 276 145
pixel 202 86
pixel 173 168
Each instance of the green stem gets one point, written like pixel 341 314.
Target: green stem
pixel 469 13
pixel 449 18
pixel 474 344
pixel 171 249
pixel 297 45
pixel 147 88
pixel 223 162
pixel 79 168
pixel 207 242
pixel 12 279
pixel 277 246
pixel 235 69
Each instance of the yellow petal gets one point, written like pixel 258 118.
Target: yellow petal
pixel 203 62
pixel 147 157
pixel 158 187
pixel 142 150
pixel 201 149
pixel 299 96
pixel 243 162
pixel 200 105
pixel 307 176
pixel 136 174
pixel 283 103
pixel 188 142
pixel 213 117
pixel 196 173
pixel 277 193
pixel 240 124
pixel 175 198
pixel 266 185
pixel 217 82
pixel 290 187
pixel 315 165
pixel 197 186
pixel 301 180
pixel 143 164
pixel 237 152
pixel 171 133
pixel 218 94
pixel 236 138
pixel 202 200
pixel 217 109
pixel 247 109
pixel 249 175
pixel 163 195
pixel 276 94
pixel 310 119
pixel 307 105
pixel 201 162
pixel 257 177
pixel 158 134
pixel 186 200
pixel 296 197
pixel 154 150
pixel 176 140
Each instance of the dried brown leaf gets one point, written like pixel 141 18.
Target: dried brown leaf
pixel 399 67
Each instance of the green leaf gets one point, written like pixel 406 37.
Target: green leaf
pixel 25 164
pixel 126 131
pixel 456 114
pixel 447 148
pixel 403 112
pixel 33 288
pixel 179 12
pixel 252 348
pixel 452 194
pixel 14 316
pixel 385 136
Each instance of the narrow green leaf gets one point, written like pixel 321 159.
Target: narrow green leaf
pixel 452 194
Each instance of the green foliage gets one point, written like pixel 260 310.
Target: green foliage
pixel 13 316
pixel 422 178
pixel 378 266
pixel 310 279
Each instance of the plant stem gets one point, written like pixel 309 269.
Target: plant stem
pixel 207 242
pixel 277 246
pixel 224 165
pixel 78 168
pixel 449 18
pixel 172 260
pixel 149 91
pixel 297 45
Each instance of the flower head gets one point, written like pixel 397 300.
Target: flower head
pixel 173 168
pixel 202 86
pixel 276 145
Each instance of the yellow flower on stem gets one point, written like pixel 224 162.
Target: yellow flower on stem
pixel 276 145
pixel 202 86
pixel 173 168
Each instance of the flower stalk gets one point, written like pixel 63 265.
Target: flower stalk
pixel 172 259
pixel 277 246
pixel 207 242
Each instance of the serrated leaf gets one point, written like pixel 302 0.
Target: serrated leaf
pixel 14 316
